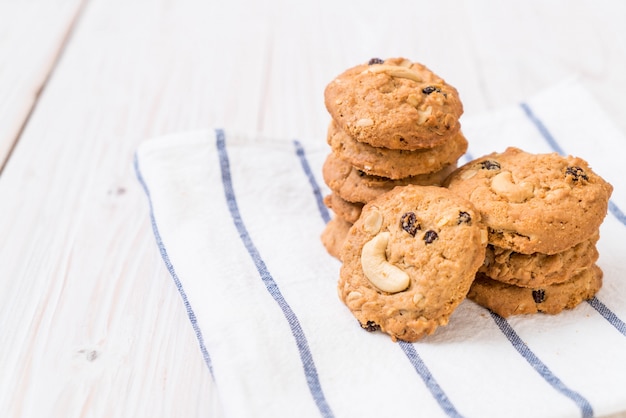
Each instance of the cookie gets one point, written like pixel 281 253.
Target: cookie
pixel 394 104
pixel 410 259
pixel 355 185
pixel 334 235
pixel 506 300
pixel 531 203
pixel 348 211
pixel 395 164
pixel 532 270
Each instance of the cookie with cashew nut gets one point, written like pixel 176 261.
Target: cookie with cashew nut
pixel 531 203
pixel 410 259
pixel 391 163
pixel 506 299
pixel 395 103
pixel 354 185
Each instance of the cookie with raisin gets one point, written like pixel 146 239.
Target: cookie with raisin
pixel 538 269
pixel 395 103
pixel 410 259
pixel 531 203
pixel 506 300
pixel 395 164
pixel 354 185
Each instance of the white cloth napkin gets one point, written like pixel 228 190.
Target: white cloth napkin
pixel 237 220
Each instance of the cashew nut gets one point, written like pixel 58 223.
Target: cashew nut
pixel 424 114
pixel 364 122
pixel 413 100
pixel 380 272
pixel 484 237
pixel 417 297
pixel 503 185
pixel 468 174
pixel 372 222
pixel 396 71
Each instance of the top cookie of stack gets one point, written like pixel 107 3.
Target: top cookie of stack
pixel 394 123
pixel 395 104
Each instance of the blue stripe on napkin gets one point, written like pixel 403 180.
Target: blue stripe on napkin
pixel 540 367
pixel 617 212
pixel 432 385
pixel 608 314
pixel 314 185
pixel 170 268
pixel 542 128
pixel 306 357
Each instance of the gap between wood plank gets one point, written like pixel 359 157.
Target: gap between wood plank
pixel 55 61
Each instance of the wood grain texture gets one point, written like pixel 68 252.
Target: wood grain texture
pixel 97 327
pixel 32 35
pixel 91 322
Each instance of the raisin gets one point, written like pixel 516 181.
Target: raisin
pixel 430 236
pixel 409 223
pixel 464 218
pixel 375 61
pixel 490 165
pixel 539 295
pixel 370 326
pixel 577 173
pixel 431 89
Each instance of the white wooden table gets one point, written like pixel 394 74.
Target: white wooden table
pixel 91 324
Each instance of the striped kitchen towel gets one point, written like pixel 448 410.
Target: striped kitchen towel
pixel 237 221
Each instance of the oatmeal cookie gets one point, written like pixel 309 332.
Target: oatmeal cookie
pixel 395 104
pixel 538 269
pixel 395 164
pixel 506 300
pixel 354 185
pixel 531 203
pixel 410 259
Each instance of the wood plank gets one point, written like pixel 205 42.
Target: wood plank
pixel 32 35
pixel 97 325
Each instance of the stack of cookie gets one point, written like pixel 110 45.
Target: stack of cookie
pixel 394 123
pixel 543 213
